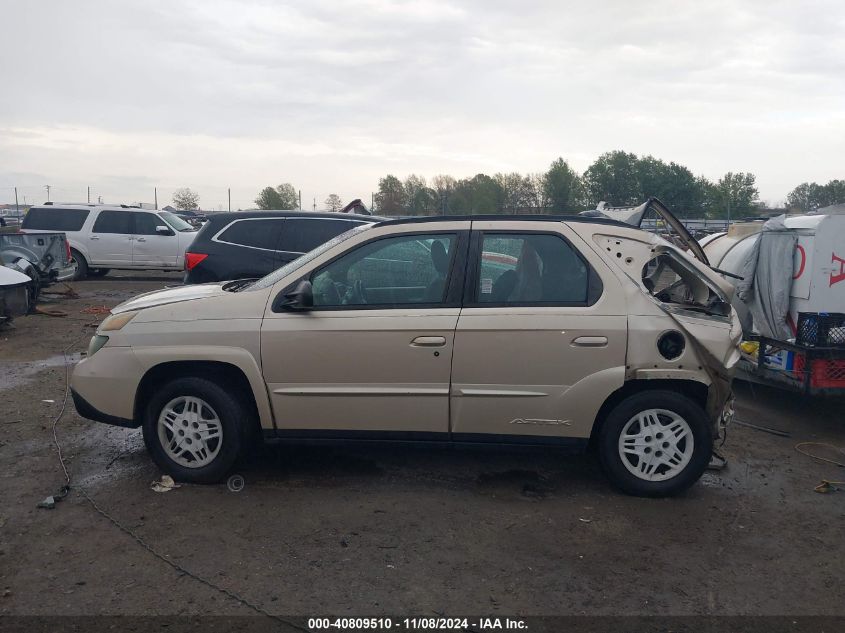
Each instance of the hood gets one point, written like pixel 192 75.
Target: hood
pixel 635 215
pixel 169 295
pixel 10 278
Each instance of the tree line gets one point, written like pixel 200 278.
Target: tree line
pixel 618 178
pixel 809 196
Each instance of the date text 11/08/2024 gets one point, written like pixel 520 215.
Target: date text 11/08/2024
pixel 418 624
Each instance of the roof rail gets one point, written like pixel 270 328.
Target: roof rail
pixel 493 216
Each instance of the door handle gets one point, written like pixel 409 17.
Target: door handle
pixel 94 237
pixel 429 341
pixel 590 341
pixel 140 239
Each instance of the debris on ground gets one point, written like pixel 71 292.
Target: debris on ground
pixel 49 312
pixel 68 292
pixel 765 429
pixel 828 486
pixel 717 461
pixel 48 504
pixel 95 310
pixel 235 483
pixel 833 450
pixel 165 484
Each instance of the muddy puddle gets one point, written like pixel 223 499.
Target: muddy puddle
pixel 14 373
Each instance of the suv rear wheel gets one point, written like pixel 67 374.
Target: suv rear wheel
pixel 655 444
pixel 81 265
pixel 195 430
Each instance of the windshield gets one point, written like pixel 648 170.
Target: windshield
pixel 287 269
pixel 176 222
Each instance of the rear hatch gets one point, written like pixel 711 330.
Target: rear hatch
pixel 654 208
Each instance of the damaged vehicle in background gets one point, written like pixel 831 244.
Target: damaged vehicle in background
pixel 538 330
pixel 29 263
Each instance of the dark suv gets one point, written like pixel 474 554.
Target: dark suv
pixel 250 244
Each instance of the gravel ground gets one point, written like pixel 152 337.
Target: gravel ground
pixel 378 529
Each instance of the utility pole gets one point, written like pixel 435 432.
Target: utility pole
pixel 300 199
pixel 155 196
pixel 89 194
pixel 314 208
pixel 17 208
pixel 47 187
pixel 230 199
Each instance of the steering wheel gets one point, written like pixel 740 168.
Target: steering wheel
pixel 356 294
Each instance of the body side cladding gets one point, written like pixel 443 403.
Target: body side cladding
pixel 313 436
pixel 87 410
pixel 162 361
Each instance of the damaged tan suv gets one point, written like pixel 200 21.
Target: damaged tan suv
pixel 574 331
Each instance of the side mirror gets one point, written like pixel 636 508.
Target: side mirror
pixel 163 230
pixel 302 297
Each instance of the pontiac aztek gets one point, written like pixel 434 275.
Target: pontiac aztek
pixel 576 331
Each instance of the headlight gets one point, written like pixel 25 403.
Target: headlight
pixel 117 321
pixel 97 342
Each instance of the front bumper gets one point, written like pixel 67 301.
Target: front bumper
pixel 104 386
pixel 66 274
pixel 87 410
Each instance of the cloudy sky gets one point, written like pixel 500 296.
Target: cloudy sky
pixel 330 95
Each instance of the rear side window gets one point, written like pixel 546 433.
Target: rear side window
pixel 531 268
pixel 263 233
pixel 305 234
pixel 55 219
pixel 113 222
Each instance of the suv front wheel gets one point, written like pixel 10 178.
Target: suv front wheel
pixel 655 444
pixel 195 430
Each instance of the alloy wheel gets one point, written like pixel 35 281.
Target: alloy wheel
pixel 656 444
pixel 190 431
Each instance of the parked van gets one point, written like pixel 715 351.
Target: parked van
pixel 104 237
pixel 251 244
pixel 503 329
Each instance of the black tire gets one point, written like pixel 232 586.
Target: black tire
pixel 81 265
pixel 235 418
pixel 612 429
pixel 98 272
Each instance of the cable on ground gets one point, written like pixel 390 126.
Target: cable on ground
pixel 65 489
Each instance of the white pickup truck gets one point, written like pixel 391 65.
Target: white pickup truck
pixel 105 237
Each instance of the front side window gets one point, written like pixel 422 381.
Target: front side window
pixel 146 223
pixel 396 271
pixel 530 268
pixel 176 222
pixel 262 233
pixel 114 222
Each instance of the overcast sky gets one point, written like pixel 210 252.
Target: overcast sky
pixel 330 95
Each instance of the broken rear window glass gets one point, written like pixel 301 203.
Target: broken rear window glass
pixel 673 283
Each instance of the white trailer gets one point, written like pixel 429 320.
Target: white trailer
pixel 817 288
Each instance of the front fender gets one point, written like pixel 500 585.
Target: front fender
pixel 151 357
